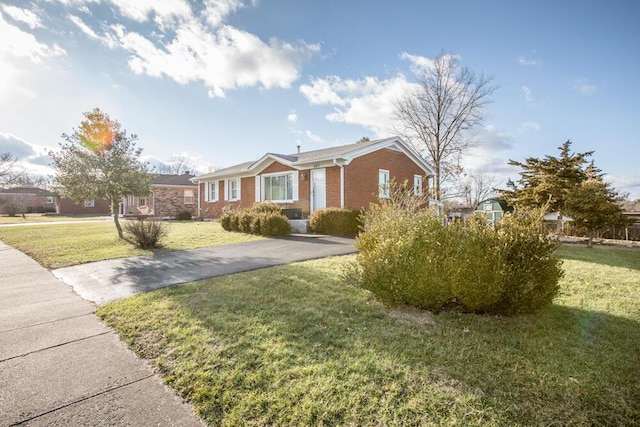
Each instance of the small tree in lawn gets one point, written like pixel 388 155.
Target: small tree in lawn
pixel 99 160
pixel 594 205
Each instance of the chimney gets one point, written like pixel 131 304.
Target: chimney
pixel 298 149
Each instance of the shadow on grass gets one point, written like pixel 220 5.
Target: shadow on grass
pixel 297 347
pixel 614 256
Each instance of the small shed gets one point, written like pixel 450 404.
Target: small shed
pixel 494 209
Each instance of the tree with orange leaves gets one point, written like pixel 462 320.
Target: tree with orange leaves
pixel 99 160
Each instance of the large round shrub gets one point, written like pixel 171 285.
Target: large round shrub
pixel 407 257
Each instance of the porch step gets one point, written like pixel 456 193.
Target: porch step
pixel 299 226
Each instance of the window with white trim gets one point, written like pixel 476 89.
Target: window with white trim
pixel 277 187
pixel 90 203
pixel 189 198
pixel 232 189
pixel 417 185
pixel 383 183
pixel 142 202
pixel 211 191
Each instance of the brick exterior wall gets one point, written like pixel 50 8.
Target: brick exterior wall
pixel 71 207
pixel 29 203
pixel 248 193
pixel 361 183
pixel 169 201
pixel 361 176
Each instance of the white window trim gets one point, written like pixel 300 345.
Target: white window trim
pixel 207 191
pixel 294 186
pixel 417 185
pixel 189 200
pixel 90 203
pixel 383 188
pixel 227 189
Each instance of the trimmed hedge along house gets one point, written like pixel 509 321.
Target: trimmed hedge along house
pixel 350 176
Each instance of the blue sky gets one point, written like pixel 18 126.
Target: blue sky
pixel 225 81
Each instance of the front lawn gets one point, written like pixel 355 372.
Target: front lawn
pixel 293 345
pixel 38 217
pixel 61 245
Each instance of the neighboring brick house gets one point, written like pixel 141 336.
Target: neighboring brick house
pixel 169 195
pixel 29 199
pixel 349 176
pixel 68 206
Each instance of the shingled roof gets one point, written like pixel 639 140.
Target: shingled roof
pixel 305 160
pixel 33 191
pixel 165 180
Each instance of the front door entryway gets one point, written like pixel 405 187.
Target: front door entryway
pixel 318 189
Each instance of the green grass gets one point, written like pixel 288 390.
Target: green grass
pixel 61 245
pixel 293 345
pixel 31 218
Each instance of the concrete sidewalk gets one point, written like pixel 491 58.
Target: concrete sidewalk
pixel 110 280
pixel 59 365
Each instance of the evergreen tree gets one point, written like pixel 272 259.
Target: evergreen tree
pixel 549 181
pixel 100 161
pixel 594 205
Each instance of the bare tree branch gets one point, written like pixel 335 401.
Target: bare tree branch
pixel 178 165
pixel 438 117
pixel 10 173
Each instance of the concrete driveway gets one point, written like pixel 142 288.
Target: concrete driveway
pixel 104 281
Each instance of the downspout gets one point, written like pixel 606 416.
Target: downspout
pixel 335 162
pixel 198 195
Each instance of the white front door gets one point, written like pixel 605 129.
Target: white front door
pixel 318 189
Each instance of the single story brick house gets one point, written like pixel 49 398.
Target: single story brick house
pixel 349 176
pixel 169 195
pixel 29 199
pixel 68 206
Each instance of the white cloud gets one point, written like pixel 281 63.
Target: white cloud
pixel 626 184
pixel 17 43
pixel 367 102
pixel 164 11
pixel 32 158
pixel 223 58
pixel 489 154
pixel 584 87
pixel 313 137
pixel 528 94
pixel 292 116
pixel 323 91
pixel 529 126
pixel 418 63
pixel 83 27
pixel 23 15
pixel 528 61
pixel 308 136
pixel 217 11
